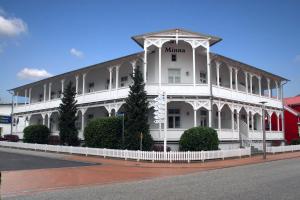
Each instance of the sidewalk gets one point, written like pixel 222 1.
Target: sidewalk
pixel 112 171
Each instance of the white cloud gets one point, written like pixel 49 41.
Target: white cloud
pixel 297 58
pixel 33 74
pixel 76 53
pixel 11 26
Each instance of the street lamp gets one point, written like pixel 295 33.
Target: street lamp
pixel 264 130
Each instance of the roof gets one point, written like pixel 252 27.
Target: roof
pixel 291 110
pixel 292 100
pixel 173 33
pixel 233 62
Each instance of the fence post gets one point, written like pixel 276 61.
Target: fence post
pixel 104 153
pixel 126 153
pixel 86 151
pixel 138 156
pixel 188 157
pixel 45 147
pixel 202 156
pixel 70 149
pixel 222 152
pixel 153 156
pixel 35 146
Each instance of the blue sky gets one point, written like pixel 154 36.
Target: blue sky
pixel 59 36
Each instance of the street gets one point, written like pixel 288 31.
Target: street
pixel 271 180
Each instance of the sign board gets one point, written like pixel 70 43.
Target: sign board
pixel 5 119
pixel 160 108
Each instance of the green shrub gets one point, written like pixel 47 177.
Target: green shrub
pixel 295 142
pixel 104 133
pixel 198 139
pixel 36 134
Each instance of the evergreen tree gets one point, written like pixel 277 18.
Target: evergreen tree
pixel 136 112
pixel 67 117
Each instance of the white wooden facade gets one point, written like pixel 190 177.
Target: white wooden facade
pixel 203 88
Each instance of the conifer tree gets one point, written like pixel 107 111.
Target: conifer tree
pixel 136 111
pixel 67 117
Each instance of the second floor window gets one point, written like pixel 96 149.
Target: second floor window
pixel 124 80
pixel 91 87
pixel 174 76
pixel 203 77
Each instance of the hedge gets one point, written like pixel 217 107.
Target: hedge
pixel 104 133
pixel 36 134
pixel 198 139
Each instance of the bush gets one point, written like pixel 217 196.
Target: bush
pixel 54 140
pixel 198 139
pixel 104 133
pixel 11 138
pixel 295 141
pixel 36 134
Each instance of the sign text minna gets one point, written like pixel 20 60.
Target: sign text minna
pixel 174 50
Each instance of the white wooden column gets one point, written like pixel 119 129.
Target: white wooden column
pixel 270 122
pixel 195 117
pixel 117 76
pixel 29 96
pixel 252 121
pixel 259 85
pixel 238 121
pixel 209 118
pixel 48 122
pixel 232 120
pixel 236 79
pixel 62 87
pixel 145 63
pixel 278 122
pixel 230 71
pixel 246 81
pixel 282 122
pixel 25 102
pixel 44 118
pixel 194 67
pixel 277 89
pixel 83 83
pixel 251 76
pixel 219 120
pixel 110 78
pixel 248 121
pixel 82 118
pixel 281 91
pixel 159 67
pixel 269 87
pixel 208 77
pixel 50 85
pixel 218 73
pixel 45 91
pixel 76 84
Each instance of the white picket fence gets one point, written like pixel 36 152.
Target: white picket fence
pixel 279 149
pixel 172 156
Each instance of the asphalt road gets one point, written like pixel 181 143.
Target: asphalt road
pixel 11 159
pixel 278 180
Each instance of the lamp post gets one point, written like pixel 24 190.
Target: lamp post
pixel 264 130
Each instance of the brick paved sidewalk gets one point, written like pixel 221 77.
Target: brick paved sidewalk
pixel 112 171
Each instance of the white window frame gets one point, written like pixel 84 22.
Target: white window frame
pixel 174 76
pixel 174 115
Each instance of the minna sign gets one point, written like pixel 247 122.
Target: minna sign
pixel 174 50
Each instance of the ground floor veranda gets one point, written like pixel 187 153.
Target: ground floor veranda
pixel 235 122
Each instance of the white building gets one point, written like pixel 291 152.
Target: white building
pixel 203 88
pixel 5 119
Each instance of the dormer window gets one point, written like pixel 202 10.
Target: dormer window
pixel 174 57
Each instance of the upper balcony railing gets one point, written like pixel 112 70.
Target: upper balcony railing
pixel 153 89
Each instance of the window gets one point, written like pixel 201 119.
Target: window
pixel 91 87
pixel 174 76
pixel 124 80
pixel 203 118
pixel 40 97
pixel 174 118
pixel 174 57
pixel 203 77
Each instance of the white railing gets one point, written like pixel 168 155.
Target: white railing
pixel 279 149
pixel 172 156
